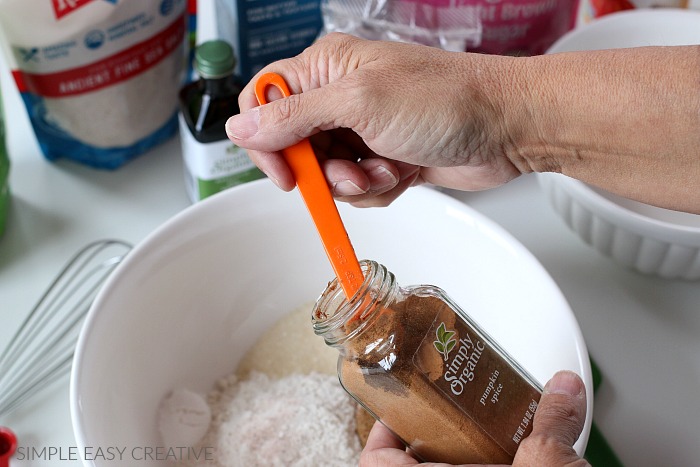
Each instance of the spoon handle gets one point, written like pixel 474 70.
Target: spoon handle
pixel 318 199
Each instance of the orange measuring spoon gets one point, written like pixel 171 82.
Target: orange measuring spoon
pixel 318 199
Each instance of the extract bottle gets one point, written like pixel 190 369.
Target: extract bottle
pixel 424 368
pixel 212 162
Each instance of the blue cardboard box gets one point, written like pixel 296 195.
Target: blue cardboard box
pixel 263 31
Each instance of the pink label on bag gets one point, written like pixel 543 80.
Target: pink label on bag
pixel 523 27
pixel 508 27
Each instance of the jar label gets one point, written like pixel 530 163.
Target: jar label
pixel 469 370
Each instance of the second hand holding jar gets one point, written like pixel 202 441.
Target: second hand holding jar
pixel 424 368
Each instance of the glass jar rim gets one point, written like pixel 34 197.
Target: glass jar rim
pixel 377 284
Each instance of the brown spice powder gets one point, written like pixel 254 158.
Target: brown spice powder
pixel 396 379
pixel 363 424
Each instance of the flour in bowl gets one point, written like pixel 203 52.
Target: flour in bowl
pixel 299 420
pixel 280 408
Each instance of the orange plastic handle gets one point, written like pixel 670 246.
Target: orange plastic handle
pixel 318 199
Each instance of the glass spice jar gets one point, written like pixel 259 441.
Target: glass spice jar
pixel 424 368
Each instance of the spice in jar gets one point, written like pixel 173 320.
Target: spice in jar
pixel 424 368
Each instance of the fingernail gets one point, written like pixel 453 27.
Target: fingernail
pixel 565 382
pixel 381 178
pixel 243 125
pixel 272 179
pixel 346 188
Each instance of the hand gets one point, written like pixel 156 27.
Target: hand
pixel 384 116
pixel 558 423
pixel 382 119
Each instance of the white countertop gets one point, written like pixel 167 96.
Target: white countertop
pixel 56 209
pixel 643 332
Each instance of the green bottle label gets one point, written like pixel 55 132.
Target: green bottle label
pixel 214 167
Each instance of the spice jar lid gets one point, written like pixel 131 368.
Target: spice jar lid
pixel 214 59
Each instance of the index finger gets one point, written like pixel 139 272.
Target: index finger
pixel 247 99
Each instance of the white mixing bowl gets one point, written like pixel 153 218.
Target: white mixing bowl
pixel 646 238
pixel 190 299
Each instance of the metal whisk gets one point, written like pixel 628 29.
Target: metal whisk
pixel 42 349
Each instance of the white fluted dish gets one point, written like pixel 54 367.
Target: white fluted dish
pixel 648 239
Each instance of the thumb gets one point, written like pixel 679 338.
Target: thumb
pixel 558 422
pixel 562 409
pixel 284 122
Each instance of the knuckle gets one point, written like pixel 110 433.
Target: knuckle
pixel 336 39
pixel 560 411
pixel 567 416
pixel 283 109
pixel 288 110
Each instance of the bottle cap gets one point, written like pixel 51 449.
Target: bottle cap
pixel 214 59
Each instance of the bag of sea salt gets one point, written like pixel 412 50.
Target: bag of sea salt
pixel 99 78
